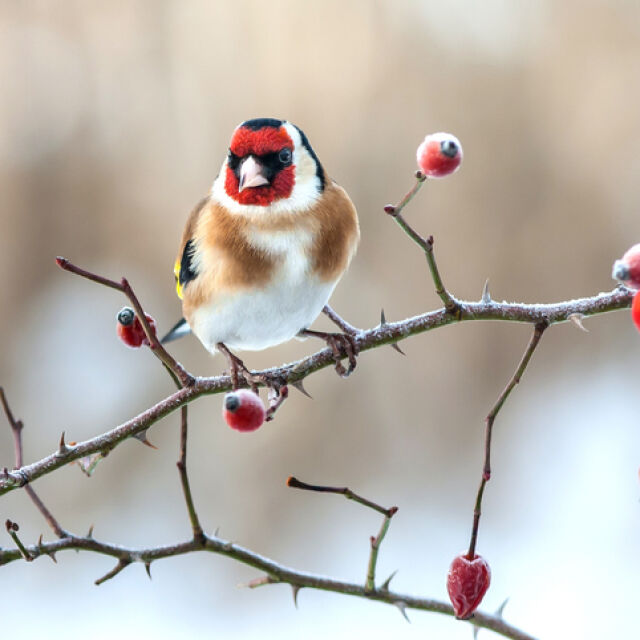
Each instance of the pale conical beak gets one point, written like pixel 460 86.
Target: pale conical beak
pixel 251 174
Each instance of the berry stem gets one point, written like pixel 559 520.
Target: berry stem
pixel 426 244
pixel 489 420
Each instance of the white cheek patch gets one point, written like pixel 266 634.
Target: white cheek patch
pixel 306 189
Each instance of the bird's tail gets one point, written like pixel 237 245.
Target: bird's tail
pixel 181 328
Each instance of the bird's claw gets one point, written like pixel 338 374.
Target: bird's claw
pixel 341 345
pixel 238 368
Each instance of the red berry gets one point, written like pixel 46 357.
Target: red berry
pixel 635 310
pixel 439 155
pixel 243 410
pixel 467 582
pixel 627 269
pixel 130 329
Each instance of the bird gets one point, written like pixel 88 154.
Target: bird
pixel 261 254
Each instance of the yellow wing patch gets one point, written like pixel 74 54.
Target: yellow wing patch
pixel 176 273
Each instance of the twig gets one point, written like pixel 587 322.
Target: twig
pixel 619 298
pixel 344 491
pixel 16 429
pixel 184 479
pixel 182 470
pixel 122 564
pixel 426 244
pixel 486 469
pixel 185 378
pixel 376 541
pixel 278 573
pixel 12 530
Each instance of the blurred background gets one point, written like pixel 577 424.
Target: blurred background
pixel 114 119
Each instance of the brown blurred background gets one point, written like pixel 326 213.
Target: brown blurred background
pixel 114 119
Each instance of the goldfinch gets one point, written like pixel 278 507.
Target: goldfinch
pixel 261 255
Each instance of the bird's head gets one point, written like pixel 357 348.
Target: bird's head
pixel 270 163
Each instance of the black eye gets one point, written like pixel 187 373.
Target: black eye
pixel 232 159
pixel 285 156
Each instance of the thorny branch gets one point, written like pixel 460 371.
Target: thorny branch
pixel 293 373
pixel 279 573
pixel 190 388
pixel 16 429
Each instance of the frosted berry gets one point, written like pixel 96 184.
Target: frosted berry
pixel 439 155
pixel 627 269
pixel 130 329
pixel 243 410
pixel 467 582
pixel 635 310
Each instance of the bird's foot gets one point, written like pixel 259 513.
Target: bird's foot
pixel 238 368
pixel 341 344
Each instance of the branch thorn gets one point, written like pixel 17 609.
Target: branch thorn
pixel 402 607
pixel 142 437
pixel 300 387
pixel 63 449
pixel 393 345
pixel 576 319
pixel 387 582
pixel 147 566
pixel 295 589
pixel 500 609
pixel 486 296
pixel 90 532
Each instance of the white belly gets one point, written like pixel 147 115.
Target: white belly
pixel 254 319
